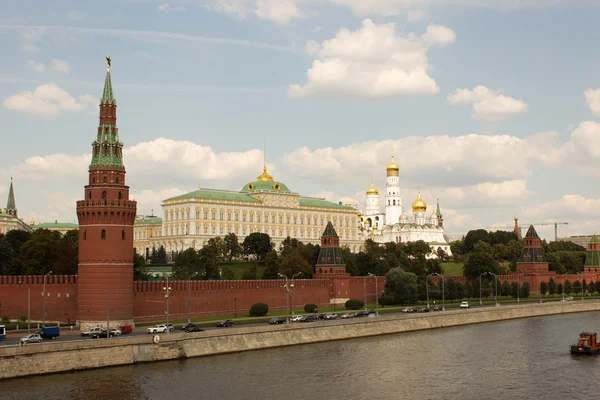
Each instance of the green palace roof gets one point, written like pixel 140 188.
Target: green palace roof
pixel 266 186
pixel 56 225
pixel 148 221
pixel 320 203
pixel 216 195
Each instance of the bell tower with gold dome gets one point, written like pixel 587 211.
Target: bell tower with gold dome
pixel 393 198
pixel 419 207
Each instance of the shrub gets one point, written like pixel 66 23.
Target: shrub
pixel 354 304
pixel 310 308
pixel 5 319
pixel 259 310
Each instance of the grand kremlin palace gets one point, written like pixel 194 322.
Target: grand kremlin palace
pixel 264 205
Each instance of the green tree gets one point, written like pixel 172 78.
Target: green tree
pixel 271 265
pixel 210 257
pixel 217 248
pixel 514 289
pixel 7 267
pixel 349 259
pixel 187 265
pixel 473 237
pixel 451 289
pixel 418 249
pixel 159 256
pixel 16 238
pixel 258 245
pixel 456 247
pixel 576 287
pixel 139 268
pixel 591 287
pixel 543 288
pixel 560 288
pixel 552 287
pixel 250 273
pixel 524 292
pixel 568 287
pixel 227 274
pixel 506 289
pixel 232 246
pixel 482 247
pixel 597 287
pixel 478 263
pixel 38 255
pixel 486 288
pixel 294 262
pixel 584 285
pixel 400 287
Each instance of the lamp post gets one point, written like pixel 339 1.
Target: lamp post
pixel 518 286
pixel 292 289
pixel 365 291
pixel 427 288
pixel 480 300
pixel 44 300
pixel 376 294
pixel 443 284
pixel 563 289
pixel 167 289
pixel 286 286
pixel 582 288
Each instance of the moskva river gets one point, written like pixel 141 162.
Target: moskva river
pixel 519 359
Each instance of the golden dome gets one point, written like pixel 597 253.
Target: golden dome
pixel 392 166
pixel 419 204
pixel 372 190
pixel 264 177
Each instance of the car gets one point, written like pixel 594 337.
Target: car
pixel 408 310
pixel 308 318
pixel 193 328
pixel 184 327
pixel 226 323
pixel 361 314
pixel 348 315
pixel 465 304
pixel 297 318
pixel 276 321
pixel 569 298
pixel 438 308
pixel 331 316
pixel 424 310
pixel 102 334
pixel 320 316
pixel 157 329
pixel 31 338
pixel 91 331
pixel 170 326
pixel 125 329
pixel 371 312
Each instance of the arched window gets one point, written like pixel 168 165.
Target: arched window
pixel 84 234
pixel 123 234
pixel 117 180
pixel 105 180
pixel 94 180
pixel 104 195
pixel 394 202
pixel 119 194
pixel 90 195
pixel 103 235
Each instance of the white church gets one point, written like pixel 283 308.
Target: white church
pixel 394 225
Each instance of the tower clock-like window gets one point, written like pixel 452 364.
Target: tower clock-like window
pixel 105 180
pixel 117 180
pixel 120 194
pixel 103 235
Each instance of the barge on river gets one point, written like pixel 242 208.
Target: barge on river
pixel 587 344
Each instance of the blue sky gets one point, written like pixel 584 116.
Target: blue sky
pixel 482 101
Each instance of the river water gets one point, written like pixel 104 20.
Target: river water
pixel 519 359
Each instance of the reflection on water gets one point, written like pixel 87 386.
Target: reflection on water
pixel 523 359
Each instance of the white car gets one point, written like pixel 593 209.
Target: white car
pixel 465 304
pixel 32 338
pixel 115 332
pixel 157 329
pixel 297 318
pixel 91 331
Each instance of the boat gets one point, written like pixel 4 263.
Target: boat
pixel 587 344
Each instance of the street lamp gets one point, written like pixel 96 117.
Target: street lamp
pixel 292 289
pixel 376 294
pixel 167 289
pixel 443 284
pixel 286 286
pixel 44 300
pixel 518 285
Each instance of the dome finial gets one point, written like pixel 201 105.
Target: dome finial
pixel 108 63
pixel 372 189
pixel 419 204
pixel 264 177
pixel 392 168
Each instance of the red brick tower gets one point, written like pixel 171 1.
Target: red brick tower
pixel 532 259
pixel 330 265
pixel 106 218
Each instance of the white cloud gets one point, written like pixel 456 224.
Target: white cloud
pixel 36 66
pixel 30 48
pixel 34 34
pixel 60 66
pixel 488 104
pixel 373 61
pixel 46 100
pixel 484 193
pixel 592 100
pixel 166 8
pixel 582 152
pixel 148 201
pixel 279 11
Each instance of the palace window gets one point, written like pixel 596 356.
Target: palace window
pixel 229 216
pixel 244 231
pixel 321 220
pixel 287 219
pixel 315 221
pixel 197 214
pixel 214 215
pixel 280 220
pixel 220 230
pixel 272 218
pixel 301 220
pixel 237 217
pixel 214 230
pixel 221 215
pixel 251 217
pixel 257 217
pixel 294 220
pixel 244 217
pixel 281 232
pixel 206 229
pixel 205 214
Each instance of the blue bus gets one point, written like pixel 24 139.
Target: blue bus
pixel 2 332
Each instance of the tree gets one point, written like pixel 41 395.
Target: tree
pixel 597 287
pixel 159 256
pixel 568 287
pixel 16 238
pixel 232 246
pixel 524 292
pixel 271 266
pixel 473 237
pixel 7 267
pixel 591 287
pixel 400 287
pixel 584 285
pixel 227 274
pixel 506 289
pixel 576 287
pixel 451 289
pixel 349 259
pixel 543 288
pixel 139 268
pixel 482 247
pixel 456 247
pixel 514 289
pixel 257 244
pixel 552 287
pixel 294 262
pixel 559 288
pixel 486 288
pixel 187 265
pixel 478 263
pixel 210 256
pixel 38 255
pixel 251 273
pixel 217 248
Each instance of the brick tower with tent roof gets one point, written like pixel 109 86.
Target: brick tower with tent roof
pixel 330 265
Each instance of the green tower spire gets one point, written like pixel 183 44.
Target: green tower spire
pixel 107 94
pixel 10 204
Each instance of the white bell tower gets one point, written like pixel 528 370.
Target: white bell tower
pixel 393 199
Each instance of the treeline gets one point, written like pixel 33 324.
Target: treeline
pixel 38 253
pixel 499 251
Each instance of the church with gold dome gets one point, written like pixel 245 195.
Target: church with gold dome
pixel 263 205
pixel 394 225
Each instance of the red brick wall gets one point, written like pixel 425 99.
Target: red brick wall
pixel 61 300
pixel 357 287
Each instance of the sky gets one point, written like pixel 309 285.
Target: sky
pixel 491 106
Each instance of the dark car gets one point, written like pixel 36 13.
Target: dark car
pixel 361 314
pixel 308 318
pixel 184 327
pixel 226 323
pixel 276 321
pixel 193 328
pixel 320 316
pixel 370 312
pixel 422 310
pixel 102 335
pixel 438 308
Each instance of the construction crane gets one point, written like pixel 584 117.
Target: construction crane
pixel 555 227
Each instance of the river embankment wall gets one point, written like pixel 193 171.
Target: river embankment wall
pixel 18 361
